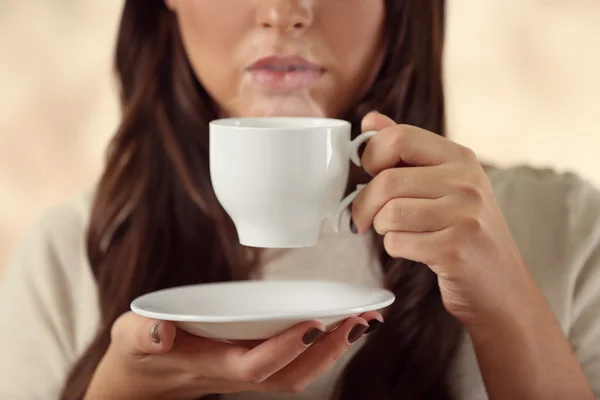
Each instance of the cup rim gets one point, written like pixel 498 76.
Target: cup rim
pixel 259 123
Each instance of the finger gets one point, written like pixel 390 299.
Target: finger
pixel 426 247
pixel 136 335
pixel 413 215
pixel 371 315
pixel 374 319
pixel 408 182
pixel 375 121
pixel 216 360
pixel 405 144
pixel 248 344
pixel 227 361
pixel 318 358
pixel 274 354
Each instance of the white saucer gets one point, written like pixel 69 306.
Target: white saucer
pixel 254 310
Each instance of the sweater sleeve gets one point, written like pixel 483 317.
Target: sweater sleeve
pixel 39 307
pixel 584 332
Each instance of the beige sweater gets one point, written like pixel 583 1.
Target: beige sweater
pixel 48 297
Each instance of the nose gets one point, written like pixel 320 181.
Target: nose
pixel 286 16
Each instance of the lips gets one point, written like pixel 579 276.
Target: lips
pixel 285 73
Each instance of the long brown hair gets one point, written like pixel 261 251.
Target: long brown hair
pixel 156 222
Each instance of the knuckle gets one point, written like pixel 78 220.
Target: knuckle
pixel 396 212
pixel 467 154
pixel 453 255
pixel 453 250
pixel 234 355
pixel 390 181
pixel 296 388
pixel 130 332
pixel 477 176
pixel 472 225
pixel 400 137
pixel 389 217
pixel 379 226
pixel 249 375
pixel 119 327
pixel 390 243
pixel 238 369
pixel 471 191
pixel 115 330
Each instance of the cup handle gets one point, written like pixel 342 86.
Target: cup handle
pixel 336 217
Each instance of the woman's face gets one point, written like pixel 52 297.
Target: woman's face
pixel 283 57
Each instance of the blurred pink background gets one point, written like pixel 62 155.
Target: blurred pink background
pixel 522 86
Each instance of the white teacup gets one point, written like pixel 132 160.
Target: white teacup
pixel 279 178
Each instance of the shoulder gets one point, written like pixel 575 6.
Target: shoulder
pixel 59 232
pixel 555 219
pixel 47 301
pixel 545 187
pixel 68 216
pixel 538 200
pixel 52 250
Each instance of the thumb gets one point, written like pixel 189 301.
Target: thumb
pixel 139 336
pixel 375 121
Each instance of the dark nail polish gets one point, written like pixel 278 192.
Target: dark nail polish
pixel 356 333
pixel 154 335
pixel 353 228
pixel 373 325
pixel 312 336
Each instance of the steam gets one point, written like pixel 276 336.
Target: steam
pixel 254 100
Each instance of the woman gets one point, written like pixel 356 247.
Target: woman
pixel 501 299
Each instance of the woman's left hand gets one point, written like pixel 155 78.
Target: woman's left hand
pixel 438 208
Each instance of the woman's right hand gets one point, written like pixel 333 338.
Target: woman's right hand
pixel 149 359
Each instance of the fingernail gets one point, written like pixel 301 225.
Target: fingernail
pixel 373 325
pixel 356 333
pixel 312 336
pixel 353 228
pixel 154 336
